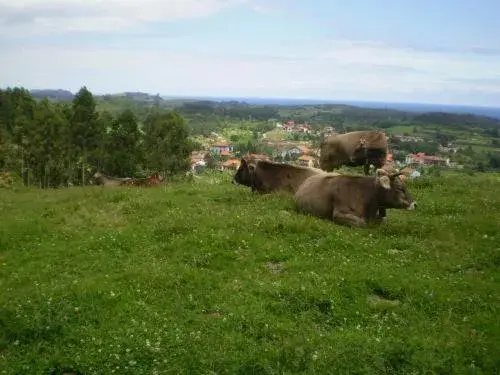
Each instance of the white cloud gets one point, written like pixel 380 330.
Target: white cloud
pixel 444 64
pixel 38 17
pixel 347 70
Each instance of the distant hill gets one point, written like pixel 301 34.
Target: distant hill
pixel 64 95
pixel 135 96
pixel 406 107
pixel 52 94
pixel 489 116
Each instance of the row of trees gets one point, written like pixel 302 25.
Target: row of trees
pixel 52 144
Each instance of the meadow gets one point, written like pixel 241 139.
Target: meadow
pixel 205 277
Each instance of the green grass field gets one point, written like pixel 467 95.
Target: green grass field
pixel 208 278
pixel 276 135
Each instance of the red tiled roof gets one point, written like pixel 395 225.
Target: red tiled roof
pixel 231 162
pixel 432 157
pixel 422 157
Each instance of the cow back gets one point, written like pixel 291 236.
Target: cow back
pixel 269 176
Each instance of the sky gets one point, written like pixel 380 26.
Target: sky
pixel 424 51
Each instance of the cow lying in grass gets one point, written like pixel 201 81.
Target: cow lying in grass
pixel 152 180
pixel 265 176
pixel 109 181
pixel 353 200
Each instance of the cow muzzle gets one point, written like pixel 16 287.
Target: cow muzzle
pixel 412 206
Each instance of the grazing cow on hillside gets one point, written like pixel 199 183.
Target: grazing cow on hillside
pixel 266 176
pixel 108 181
pixel 354 149
pixel 353 200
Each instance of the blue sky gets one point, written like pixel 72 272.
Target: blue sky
pixel 385 50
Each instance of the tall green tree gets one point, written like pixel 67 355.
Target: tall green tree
pixel 106 121
pixel 18 115
pixel 4 147
pixel 48 140
pixel 86 132
pixel 123 145
pixel 166 142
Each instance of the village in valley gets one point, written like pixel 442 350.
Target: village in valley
pixel 286 143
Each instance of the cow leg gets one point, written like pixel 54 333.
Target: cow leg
pixel 367 169
pixel 347 218
pixel 382 213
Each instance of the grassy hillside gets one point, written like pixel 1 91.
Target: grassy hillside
pixel 207 278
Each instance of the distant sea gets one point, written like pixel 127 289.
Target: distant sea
pixel 410 107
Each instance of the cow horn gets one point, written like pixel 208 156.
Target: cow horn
pixel 399 171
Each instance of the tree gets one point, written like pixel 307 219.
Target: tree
pixel 123 145
pixel 494 160
pixel 494 133
pixel 166 142
pixel 86 132
pixel 19 112
pixel 443 139
pixel 4 146
pixel 48 145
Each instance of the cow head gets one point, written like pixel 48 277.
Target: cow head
pixel 96 178
pixel 393 191
pixel 244 174
pixel 155 178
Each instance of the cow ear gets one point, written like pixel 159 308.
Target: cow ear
pixel 243 162
pixel 382 178
pixel 385 182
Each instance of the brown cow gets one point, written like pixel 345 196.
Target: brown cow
pixel 353 200
pixel 154 179
pixel 266 176
pixel 354 149
pixel 108 181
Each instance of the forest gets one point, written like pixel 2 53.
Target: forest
pixel 53 143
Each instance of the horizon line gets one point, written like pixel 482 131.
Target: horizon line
pixel 332 101
pixel 242 98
